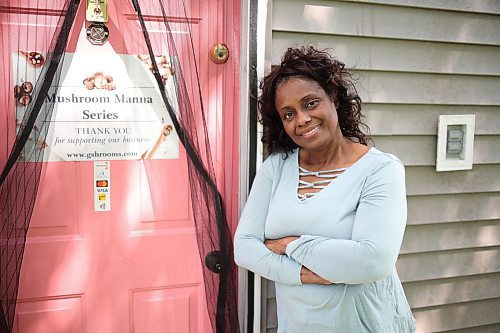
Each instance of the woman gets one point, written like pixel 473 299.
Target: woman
pixel 326 214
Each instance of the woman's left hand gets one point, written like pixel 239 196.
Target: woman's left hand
pixel 278 246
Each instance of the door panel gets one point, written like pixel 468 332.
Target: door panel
pixel 174 309
pixel 58 205
pixel 57 315
pixel 164 195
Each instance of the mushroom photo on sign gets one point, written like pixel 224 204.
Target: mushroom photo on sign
pixel 22 93
pixel 26 74
pixel 99 81
pixel 165 67
pixel 34 58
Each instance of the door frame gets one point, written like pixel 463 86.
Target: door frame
pixel 255 59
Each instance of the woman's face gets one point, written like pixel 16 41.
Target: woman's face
pixel 308 114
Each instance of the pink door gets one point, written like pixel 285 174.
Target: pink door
pixel 135 267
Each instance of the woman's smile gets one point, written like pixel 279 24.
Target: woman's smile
pixel 310 132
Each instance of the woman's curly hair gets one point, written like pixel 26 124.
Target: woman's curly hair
pixel 331 75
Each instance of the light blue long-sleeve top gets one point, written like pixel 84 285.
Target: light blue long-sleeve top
pixel 350 234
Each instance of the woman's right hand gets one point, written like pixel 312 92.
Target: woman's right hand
pixel 309 277
pixel 279 245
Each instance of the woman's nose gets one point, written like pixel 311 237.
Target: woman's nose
pixel 303 117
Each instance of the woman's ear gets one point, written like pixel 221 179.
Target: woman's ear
pixel 335 102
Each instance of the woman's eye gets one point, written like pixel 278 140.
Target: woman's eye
pixel 287 115
pixel 311 104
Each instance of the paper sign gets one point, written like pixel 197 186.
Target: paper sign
pixel 106 106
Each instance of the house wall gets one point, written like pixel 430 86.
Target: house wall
pixel 416 60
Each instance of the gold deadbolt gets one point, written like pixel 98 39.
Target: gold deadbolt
pixel 219 53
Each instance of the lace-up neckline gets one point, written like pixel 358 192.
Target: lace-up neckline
pixel 315 181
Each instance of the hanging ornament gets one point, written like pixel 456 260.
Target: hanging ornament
pixel 97 33
pixel 97 11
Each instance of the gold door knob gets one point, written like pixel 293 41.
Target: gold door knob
pixel 219 53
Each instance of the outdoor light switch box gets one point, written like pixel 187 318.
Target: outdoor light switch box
pixel 455 142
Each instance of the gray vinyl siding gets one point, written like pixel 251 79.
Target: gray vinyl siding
pixel 415 60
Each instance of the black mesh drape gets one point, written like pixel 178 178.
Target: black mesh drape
pixel 188 117
pixel 22 170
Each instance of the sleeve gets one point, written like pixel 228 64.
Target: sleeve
pixel 377 234
pixel 249 249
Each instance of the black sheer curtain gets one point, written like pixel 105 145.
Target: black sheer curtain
pixel 21 172
pixel 213 235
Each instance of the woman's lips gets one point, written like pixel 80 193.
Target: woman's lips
pixel 310 132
